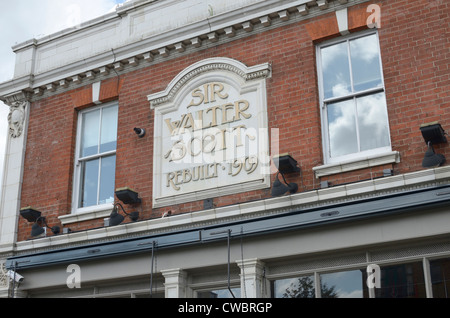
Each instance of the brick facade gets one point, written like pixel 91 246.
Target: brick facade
pixel 415 57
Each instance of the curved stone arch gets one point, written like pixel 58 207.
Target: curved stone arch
pixel 203 67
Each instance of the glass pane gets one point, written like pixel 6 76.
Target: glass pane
pixel 402 281
pixel 107 180
pixel 89 133
pixel 373 121
pixel 109 129
pixel 440 278
pixel 220 293
pixel 89 183
pixel 342 128
pixel 335 70
pixel 349 284
pixel 299 287
pixel 148 295
pixel 365 61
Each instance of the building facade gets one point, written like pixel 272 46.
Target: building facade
pixel 247 148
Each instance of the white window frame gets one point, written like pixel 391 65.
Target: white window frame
pixel 367 155
pixel 107 207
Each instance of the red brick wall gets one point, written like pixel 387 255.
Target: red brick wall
pixel 49 159
pixel 415 54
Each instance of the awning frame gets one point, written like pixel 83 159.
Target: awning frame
pixel 402 202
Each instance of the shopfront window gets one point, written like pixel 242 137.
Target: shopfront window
pixel 397 281
pixel 440 278
pixel 402 281
pixel 346 284
pixel 298 287
pixel 220 293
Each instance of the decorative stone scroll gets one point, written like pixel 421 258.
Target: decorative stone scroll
pixel 4 280
pixel 16 118
pixel 17 103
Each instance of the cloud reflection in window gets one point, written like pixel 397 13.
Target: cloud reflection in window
pixel 356 122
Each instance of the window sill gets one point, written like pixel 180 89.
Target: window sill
pixel 361 163
pixel 97 212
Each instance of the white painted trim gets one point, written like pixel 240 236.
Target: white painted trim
pixel 175 283
pixel 10 199
pixel 427 277
pixel 96 92
pixel 358 163
pixel 96 212
pixel 342 20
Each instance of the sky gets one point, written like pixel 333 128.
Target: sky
pixel 23 20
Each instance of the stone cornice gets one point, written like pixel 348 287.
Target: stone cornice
pixel 218 29
pixel 17 97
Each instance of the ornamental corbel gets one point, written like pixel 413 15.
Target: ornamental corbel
pixel 4 280
pixel 17 104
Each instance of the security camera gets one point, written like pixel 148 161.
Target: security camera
pixel 15 276
pixel 140 132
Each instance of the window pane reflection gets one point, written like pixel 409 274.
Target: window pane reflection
pixel 355 110
pixel 440 278
pixel 98 139
pixel 365 61
pixel 342 128
pixel 402 281
pixel 348 284
pixel 107 179
pixel 89 184
pixel 109 129
pixel 89 133
pixel 220 293
pixel 372 122
pixel 299 287
pixel 335 70
pixel 397 281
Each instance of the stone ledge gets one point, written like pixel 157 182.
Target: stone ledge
pixel 315 198
pixel 361 163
